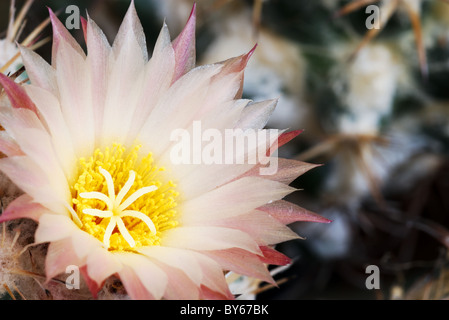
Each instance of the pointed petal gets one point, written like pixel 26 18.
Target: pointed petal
pixel 130 27
pixel 30 179
pixel 148 273
pixel 208 238
pixel 263 228
pixel 23 207
pixel 124 87
pixel 133 285
pixel 98 59
pixel 241 262
pixel 75 98
pixel 177 107
pixel 246 194
pixel 184 46
pixel 256 115
pixel 158 74
pixel 283 139
pixel 287 213
pixel 101 264
pixel 60 255
pixel 177 258
pixel 50 111
pixel 287 170
pixel 213 277
pixel 16 94
pixel 84 26
pixel 290 169
pixel 60 33
pixel 8 146
pixel 179 285
pixel 271 256
pixel 94 288
pixel 41 74
pixel 237 65
pixel 54 227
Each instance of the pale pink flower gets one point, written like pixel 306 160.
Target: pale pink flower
pixel 88 143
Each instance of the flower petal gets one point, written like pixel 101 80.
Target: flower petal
pixel 54 227
pixel 153 279
pixel 23 207
pixel 30 179
pixel 246 194
pixel 184 46
pixel 98 59
pixel 8 146
pixel 101 264
pixel 157 79
pixel 130 27
pixel 241 262
pixel 41 74
pixel 179 286
pixel 287 213
pixel 256 115
pixel 274 257
pixel 263 228
pixel 16 94
pixel 60 33
pixel 208 238
pixel 75 98
pixel 177 258
pixel 133 285
pixel 50 110
pixel 60 255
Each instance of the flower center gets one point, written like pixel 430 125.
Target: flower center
pixel 122 199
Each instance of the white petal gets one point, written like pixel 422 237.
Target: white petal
pixel 184 260
pixel 232 199
pixel 84 243
pixel 256 115
pixel 158 74
pixel 50 109
pixel 40 150
pixel 74 87
pixel 98 60
pixel 123 91
pixel 208 238
pixel 177 107
pixel 130 27
pixel 33 181
pixel 101 264
pixel 263 228
pixel 151 276
pixel 41 74
pixel 53 227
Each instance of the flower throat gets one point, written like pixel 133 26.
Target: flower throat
pixel 122 199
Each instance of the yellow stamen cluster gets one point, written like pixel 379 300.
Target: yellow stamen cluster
pixel 122 199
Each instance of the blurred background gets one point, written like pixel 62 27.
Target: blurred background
pixel 374 106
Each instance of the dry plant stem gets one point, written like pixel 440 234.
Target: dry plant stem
pixel 372 33
pixel 417 30
pixel 352 6
pixel 9 291
pixel 257 16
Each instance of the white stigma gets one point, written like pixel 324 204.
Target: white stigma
pixel 116 209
